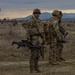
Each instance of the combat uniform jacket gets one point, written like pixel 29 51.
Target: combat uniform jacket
pixel 34 27
pixel 54 33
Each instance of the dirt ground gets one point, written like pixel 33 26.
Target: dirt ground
pixel 22 68
pixel 16 61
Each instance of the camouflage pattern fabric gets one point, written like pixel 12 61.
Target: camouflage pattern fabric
pixel 59 51
pixel 54 34
pixel 32 29
pixel 60 45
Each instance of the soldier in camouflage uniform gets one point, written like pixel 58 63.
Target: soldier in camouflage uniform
pixel 54 34
pixel 60 45
pixel 33 30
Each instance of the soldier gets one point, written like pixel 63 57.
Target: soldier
pixel 59 44
pixel 33 36
pixel 54 35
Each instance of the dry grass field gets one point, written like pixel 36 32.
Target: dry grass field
pixel 15 61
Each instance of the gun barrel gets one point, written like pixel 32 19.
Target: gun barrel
pixel 62 41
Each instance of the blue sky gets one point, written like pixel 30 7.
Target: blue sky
pixel 22 8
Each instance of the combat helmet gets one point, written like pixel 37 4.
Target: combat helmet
pixel 36 11
pixel 56 13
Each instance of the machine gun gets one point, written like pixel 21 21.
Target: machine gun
pixel 22 43
pixel 26 43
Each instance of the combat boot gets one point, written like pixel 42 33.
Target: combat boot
pixel 62 59
pixel 59 60
pixel 31 70
pixel 53 63
pixel 38 71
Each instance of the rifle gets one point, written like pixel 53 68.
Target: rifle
pixel 63 31
pixel 26 43
pixel 61 41
pixel 22 43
